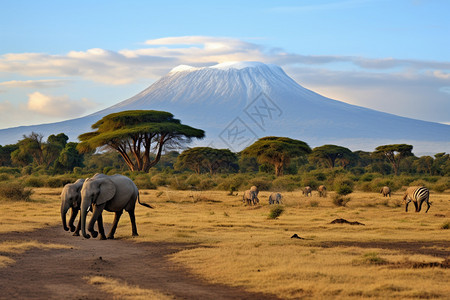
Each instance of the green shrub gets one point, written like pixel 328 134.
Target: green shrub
pixel 55 182
pixel 284 183
pixel 373 259
pixel 314 203
pixel 10 170
pixel 143 182
pixel 340 200
pixel 34 182
pixel 4 177
pixel 14 192
pixel 262 183
pixel 206 184
pixel 233 182
pixel 276 211
pixel 159 180
pixel 446 225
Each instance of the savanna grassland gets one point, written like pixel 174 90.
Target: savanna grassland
pixel 393 255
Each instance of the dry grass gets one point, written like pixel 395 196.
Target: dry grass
pixel 240 246
pixel 122 290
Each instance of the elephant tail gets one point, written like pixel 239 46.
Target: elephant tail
pixel 144 204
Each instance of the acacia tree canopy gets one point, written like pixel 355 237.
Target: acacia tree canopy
pixel 199 159
pixel 330 153
pixel 277 151
pixel 394 153
pixel 135 133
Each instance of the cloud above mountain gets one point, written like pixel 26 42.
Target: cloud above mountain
pixel 413 88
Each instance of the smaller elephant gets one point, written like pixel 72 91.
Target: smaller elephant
pixel 71 198
pixel 307 190
pixel 275 197
pixel 322 191
pixel 250 197
pixel 385 191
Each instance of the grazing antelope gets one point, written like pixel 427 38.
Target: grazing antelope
pixel 418 195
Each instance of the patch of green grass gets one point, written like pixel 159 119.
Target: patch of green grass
pixel 275 212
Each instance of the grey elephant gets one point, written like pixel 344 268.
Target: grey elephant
pixel 250 197
pixel 255 189
pixel 71 198
pixel 307 190
pixel 322 191
pixel 385 191
pixel 111 193
pixel 275 197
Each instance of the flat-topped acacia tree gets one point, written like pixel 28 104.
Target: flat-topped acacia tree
pixel 135 133
pixel 276 151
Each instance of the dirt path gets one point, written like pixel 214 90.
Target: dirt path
pixel 58 273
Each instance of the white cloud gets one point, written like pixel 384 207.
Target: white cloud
pixel 55 106
pixel 43 83
pixel 387 84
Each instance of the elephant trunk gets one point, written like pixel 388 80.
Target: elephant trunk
pixel 84 210
pixel 64 210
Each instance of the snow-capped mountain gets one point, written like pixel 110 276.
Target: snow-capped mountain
pixel 237 103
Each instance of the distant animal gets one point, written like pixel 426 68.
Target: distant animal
pixel 307 190
pixel 418 195
pixel 275 197
pixel 255 189
pixel 386 191
pixel 322 191
pixel 250 197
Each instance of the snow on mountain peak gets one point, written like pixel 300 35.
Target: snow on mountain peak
pixel 182 68
pixel 238 65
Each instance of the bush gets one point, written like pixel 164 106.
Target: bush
pixel 275 212
pixel 34 182
pixel 262 183
pixel 343 186
pixel 55 182
pixel 14 192
pixel 10 170
pixel 143 182
pixel 159 180
pixel 4 177
pixel 284 183
pixel 339 200
pixel 206 184
pixel 445 225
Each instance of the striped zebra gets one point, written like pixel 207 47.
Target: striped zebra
pixel 418 195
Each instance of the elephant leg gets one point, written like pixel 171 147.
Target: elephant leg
pixel 72 219
pixel 133 223
pixel 114 226
pixel 77 230
pixel 101 229
pixel 96 213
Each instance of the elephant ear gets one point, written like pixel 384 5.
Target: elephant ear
pixel 107 191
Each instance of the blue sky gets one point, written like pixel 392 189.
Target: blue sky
pixel 64 59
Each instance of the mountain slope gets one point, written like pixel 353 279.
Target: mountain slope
pixel 236 103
